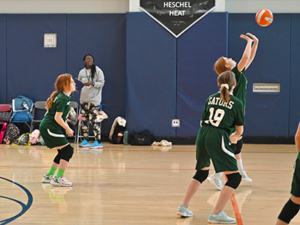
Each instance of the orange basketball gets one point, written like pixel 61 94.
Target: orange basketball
pixel 264 17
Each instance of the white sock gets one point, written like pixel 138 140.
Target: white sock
pixel 240 164
pixel 218 175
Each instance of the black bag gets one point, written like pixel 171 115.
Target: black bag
pixel 140 139
pixel 12 133
pixel 117 137
pixel 5 116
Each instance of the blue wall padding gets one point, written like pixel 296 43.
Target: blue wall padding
pixel 151 76
pixel 3 81
pixel 295 75
pixel 31 68
pixel 266 114
pixel 103 36
pixel 198 49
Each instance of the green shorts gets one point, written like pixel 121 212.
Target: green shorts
pixel 213 143
pixel 53 137
pixel 296 178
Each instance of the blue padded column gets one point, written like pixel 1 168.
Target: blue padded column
pixel 295 76
pixel 31 68
pixel 103 36
pixel 150 76
pixel 266 114
pixel 198 49
pixel 3 79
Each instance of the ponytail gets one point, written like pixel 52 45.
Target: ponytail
pixel 226 80
pixel 51 99
pixel 225 96
pixel 93 71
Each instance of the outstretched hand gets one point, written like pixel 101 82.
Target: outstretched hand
pixel 255 39
pixel 245 37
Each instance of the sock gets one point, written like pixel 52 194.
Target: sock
pixel 60 173
pixel 218 175
pixel 51 171
pixel 240 164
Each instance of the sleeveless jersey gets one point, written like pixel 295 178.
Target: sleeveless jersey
pixel 224 115
pixel 240 91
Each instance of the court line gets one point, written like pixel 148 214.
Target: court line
pixel 24 207
pixel 116 168
pixel 235 207
pixel 236 210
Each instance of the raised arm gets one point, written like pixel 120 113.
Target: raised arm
pixel 253 49
pixel 247 53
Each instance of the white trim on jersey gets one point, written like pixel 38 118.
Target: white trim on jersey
pixel 226 150
pixel 54 135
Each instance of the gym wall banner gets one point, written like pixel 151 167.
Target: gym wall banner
pixel 177 16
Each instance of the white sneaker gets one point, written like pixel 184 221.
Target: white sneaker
pixel 47 178
pixel 184 212
pixel 217 182
pixel 221 218
pixel 61 181
pixel 245 176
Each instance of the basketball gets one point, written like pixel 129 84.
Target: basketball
pixel 264 17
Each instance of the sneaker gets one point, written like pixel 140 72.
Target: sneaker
pixel 84 143
pixel 221 218
pixel 184 212
pixel 96 144
pixel 61 181
pixel 245 176
pixel 47 178
pixel 216 182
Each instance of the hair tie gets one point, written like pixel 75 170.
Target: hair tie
pixel 225 85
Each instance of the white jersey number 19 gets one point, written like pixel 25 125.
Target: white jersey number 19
pixel 216 117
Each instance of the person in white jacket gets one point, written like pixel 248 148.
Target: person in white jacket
pixel 90 98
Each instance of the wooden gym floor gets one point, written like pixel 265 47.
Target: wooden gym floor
pixel 137 185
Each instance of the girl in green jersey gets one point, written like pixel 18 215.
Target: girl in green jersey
pixel 224 64
pixel 222 113
pixel 58 106
pixel 292 206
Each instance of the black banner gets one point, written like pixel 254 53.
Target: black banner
pixel 177 16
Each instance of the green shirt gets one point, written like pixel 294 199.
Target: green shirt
pixel 240 91
pixel 224 115
pixel 62 103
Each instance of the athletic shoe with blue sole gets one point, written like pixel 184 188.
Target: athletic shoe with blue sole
pixel 84 144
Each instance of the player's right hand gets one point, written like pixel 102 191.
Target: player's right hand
pixel 69 132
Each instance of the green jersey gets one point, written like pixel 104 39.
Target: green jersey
pixel 62 103
pixel 240 91
pixel 224 115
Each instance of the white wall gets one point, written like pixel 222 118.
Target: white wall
pixel 64 6
pixel 122 6
pixel 252 6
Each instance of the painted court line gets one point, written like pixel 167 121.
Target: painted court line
pixel 115 168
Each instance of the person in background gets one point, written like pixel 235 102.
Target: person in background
pixel 90 98
pixel 58 107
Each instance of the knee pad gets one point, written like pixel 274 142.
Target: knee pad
pixel 239 146
pixel 57 157
pixel 234 180
pixel 201 175
pixel 67 152
pixel 288 212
